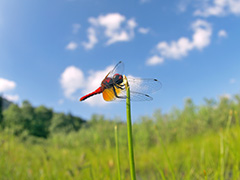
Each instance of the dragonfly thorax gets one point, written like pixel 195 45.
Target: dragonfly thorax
pixel 107 83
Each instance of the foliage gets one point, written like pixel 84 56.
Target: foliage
pixel 197 142
pixel 1 109
pixel 13 120
pixel 62 123
pixel 41 122
pixel 38 121
pixel 5 103
pixel 27 112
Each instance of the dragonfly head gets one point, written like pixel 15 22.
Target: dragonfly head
pixel 118 78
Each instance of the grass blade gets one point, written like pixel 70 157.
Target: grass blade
pixel 117 152
pixel 129 129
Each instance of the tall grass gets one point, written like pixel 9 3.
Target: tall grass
pixel 129 130
pixel 189 144
pixel 117 152
pixel 209 156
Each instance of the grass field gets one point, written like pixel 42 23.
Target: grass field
pixel 90 153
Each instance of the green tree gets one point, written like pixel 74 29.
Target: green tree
pixel 58 123
pixel 65 123
pixel 74 122
pixel 27 114
pixel 13 119
pixel 41 122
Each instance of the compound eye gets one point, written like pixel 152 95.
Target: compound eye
pixel 116 75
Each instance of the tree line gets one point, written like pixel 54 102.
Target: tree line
pixel 211 115
pixel 36 121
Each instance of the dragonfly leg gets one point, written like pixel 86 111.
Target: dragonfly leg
pixel 114 90
pixel 120 86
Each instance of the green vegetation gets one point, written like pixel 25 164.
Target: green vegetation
pixel 38 122
pixel 129 131
pixel 1 109
pixel 197 142
pixel 117 153
pixel 4 103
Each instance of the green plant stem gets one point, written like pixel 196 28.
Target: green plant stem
pixel 221 157
pixel 168 159
pixel 229 120
pixel 117 152
pixel 129 129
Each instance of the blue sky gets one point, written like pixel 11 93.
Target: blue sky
pixel 53 52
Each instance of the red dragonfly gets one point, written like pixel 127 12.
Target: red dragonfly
pixel 112 86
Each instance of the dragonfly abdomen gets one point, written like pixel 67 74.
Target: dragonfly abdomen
pixel 97 91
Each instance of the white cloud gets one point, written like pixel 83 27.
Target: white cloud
pixel 122 36
pixel 154 60
pixel 143 30
pixel 92 39
pixel 181 47
pixel 222 33
pixel 110 21
pixel 116 28
pixel 218 8
pixel 13 98
pixel 72 46
pixel 176 49
pixel 76 28
pixel 131 24
pixel 71 80
pixel 234 6
pixel 202 34
pixel 6 85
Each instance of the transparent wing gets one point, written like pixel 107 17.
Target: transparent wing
pixel 134 96
pixel 118 94
pixel 118 69
pixel 145 86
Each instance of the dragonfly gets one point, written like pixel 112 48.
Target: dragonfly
pixel 113 88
